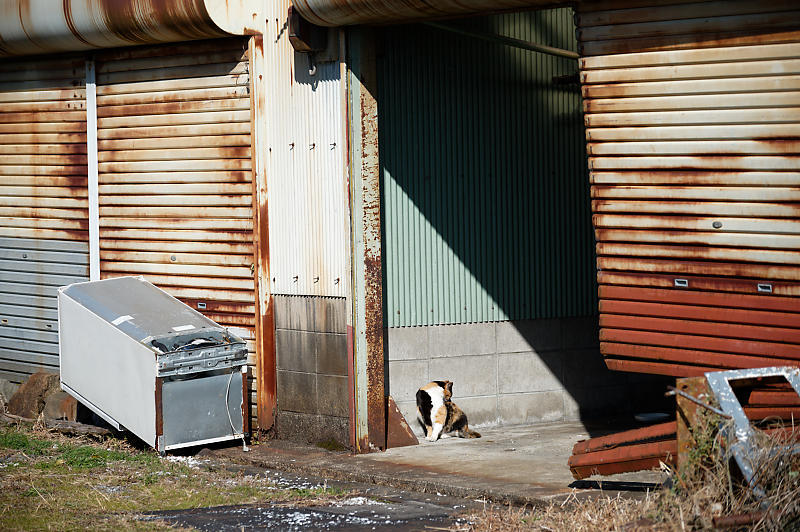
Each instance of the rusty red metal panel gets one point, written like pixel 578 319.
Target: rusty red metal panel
pixel 694 181
pixel 702 327
pixel 693 312
pixel 774 397
pixel 43 161
pixel 694 341
pixel 398 432
pixel 635 457
pixel 644 448
pixel 662 431
pixel 716 284
pixel 196 239
pixel 696 297
pixel 721 360
pixel 176 207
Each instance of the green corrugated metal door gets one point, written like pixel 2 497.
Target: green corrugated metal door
pixel 486 200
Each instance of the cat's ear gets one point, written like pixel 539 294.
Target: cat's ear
pixel 448 385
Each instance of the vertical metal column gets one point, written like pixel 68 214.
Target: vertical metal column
pixel 93 189
pixel 365 208
pixel 265 318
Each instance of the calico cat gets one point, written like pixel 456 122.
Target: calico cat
pixel 439 415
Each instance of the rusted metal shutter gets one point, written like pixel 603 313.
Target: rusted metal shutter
pixel 175 183
pixel 43 205
pixel 693 130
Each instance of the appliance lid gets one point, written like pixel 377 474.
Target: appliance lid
pixel 140 309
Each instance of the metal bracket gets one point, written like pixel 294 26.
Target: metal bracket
pixel 744 451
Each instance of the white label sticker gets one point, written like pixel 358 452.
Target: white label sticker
pixel 183 328
pixel 121 319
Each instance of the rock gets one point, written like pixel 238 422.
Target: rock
pixel 29 399
pixel 7 390
pixel 60 405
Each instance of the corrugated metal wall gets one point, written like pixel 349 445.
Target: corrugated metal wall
pixel 43 205
pixel 308 231
pixel 486 205
pixel 693 129
pixel 175 179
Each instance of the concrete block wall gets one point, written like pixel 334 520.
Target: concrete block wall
pixel 528 371
pixel 311 349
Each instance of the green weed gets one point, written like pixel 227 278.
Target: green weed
pixel 11 438
pixel 77 484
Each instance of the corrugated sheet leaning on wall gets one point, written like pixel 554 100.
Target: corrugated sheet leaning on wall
pixel 486 205
pixel 308 232
pixel 175 183
pixel 43 205
pixel 693 130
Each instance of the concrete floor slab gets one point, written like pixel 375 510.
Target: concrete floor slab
pixel 520 464
pixel 527 454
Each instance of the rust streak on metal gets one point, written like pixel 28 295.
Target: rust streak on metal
pixel 349 12
pixel 82 24
pixel 159 409
pixel 245 402
pixel 134 21
pixel 694 205
pixel 67 6
pixel 687 414
pixel 266 377
pixel 373 270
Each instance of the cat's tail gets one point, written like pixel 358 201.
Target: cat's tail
pixel 467 432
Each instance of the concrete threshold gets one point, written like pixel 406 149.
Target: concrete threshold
pixel 520 465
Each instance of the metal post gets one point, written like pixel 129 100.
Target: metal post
pixel 93 188
pixel 365 208
pixel 265 319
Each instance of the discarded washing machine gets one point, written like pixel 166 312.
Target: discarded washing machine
pixel 147 363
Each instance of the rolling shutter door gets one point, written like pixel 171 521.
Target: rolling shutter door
pixel 693 132
pixel 175 174
pixel 43 205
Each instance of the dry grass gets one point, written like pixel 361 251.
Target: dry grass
pixel 709 488
pixel 573 515
pixel 50 481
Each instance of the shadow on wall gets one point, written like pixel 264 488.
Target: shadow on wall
pixel 602 396
pixel 486 193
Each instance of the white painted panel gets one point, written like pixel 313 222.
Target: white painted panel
pixel 305 168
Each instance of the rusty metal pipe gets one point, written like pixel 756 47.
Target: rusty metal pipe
pixel 739 520
pixel 351 12
pixel 42 26
pixel 508 41
pixel 675 391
